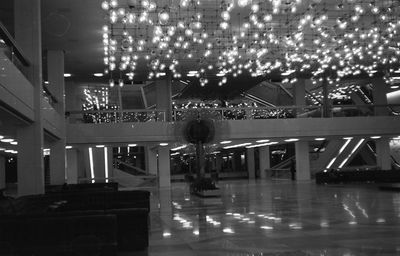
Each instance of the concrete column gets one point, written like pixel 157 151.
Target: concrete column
pixel 58 162
pixel 302 161
pixel 379 95
pixel 2 172
pixel 163 95
pixel 72 166
pixel 383 159
pixel 55 74
pixel 99 163
pixel 218 162
pixel 164 169
pixel 88 168
pixel 265 163
pixel 28 35
pixel 300 95
pixel 326 111
pixel 151 161
pixel 251 166
pixel 110 159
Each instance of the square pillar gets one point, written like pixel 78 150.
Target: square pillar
pixel 55 73
pixel 383 159
pixel 326 108
pixel 2 172
pixel 58 162
pixel 302 160
pixel 28 35
pixel 151 161
pixel 299 95
pixel 164 96
pixel 265 163
pixel 251 166
pixel 72 166
pixel 164 167
pixel 379 92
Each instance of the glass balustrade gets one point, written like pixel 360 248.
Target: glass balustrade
pixel 253 113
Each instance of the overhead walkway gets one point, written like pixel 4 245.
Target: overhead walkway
pixel 124 127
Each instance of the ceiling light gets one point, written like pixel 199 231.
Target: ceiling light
pixel 7 140
pixel 178 148
pixel 68 147
pixel 347 138
pixel 67 75
pixel 238 145
pixel 262 144
pixel 163 144
pixel 100 146
pixel 375 137
pixel 132 145
pixel 225 142
pixel 98 74
pixel 2 149
pixel 1 137
pixel 262 141
pixel 8 150
pixel 291 140
pixel 14 143
pixel 319 139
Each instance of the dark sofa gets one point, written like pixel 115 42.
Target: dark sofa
pixel 129 208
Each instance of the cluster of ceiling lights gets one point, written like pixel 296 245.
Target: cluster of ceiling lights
pixel 10 141
pixel 226 38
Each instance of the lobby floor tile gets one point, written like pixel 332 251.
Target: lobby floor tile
pixel 275 218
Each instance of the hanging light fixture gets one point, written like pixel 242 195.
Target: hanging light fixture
pixel 364 39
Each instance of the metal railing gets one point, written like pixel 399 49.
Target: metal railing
pixel 248 113
pixel 10 49
pixel 115 116
pixel 284 112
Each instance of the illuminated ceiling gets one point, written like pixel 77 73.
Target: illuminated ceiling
pixel 216 41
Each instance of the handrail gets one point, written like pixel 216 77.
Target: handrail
pixel 251 108
pixel 113 111
pixel 6 36
pixel 131 166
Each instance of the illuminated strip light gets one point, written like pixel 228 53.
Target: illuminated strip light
pixel 175 154
pixel 178 148
pixel 340 151
pixel 91 164
pixel 351 153
pixel 106 163
pixel 238 145
pixel 262 145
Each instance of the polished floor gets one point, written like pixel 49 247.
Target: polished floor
pixel 275 218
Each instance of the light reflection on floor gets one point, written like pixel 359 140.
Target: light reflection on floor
pixel 276 218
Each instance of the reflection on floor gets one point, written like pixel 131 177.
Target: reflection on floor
pixel 276 218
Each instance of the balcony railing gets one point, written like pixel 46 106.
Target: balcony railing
pixel 116 116
pixel 252 113
pixel 283 112
pixel 10 49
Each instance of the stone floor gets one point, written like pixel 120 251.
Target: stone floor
pixel 275 218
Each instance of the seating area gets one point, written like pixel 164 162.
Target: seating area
pixel 377 176
pixel 85 218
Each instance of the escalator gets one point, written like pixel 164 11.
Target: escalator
pixel 269 95
pixel 129 176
